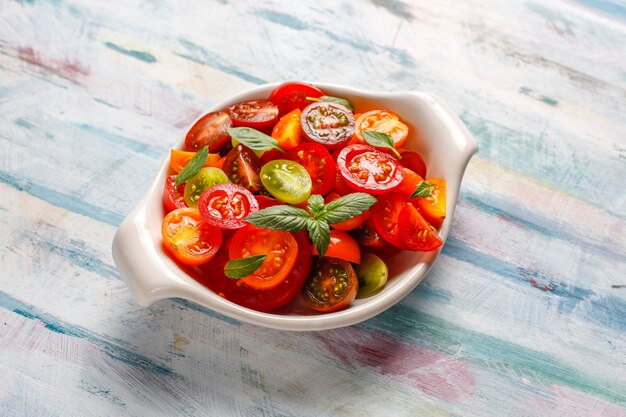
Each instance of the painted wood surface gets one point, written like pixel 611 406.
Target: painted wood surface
pixel 524 313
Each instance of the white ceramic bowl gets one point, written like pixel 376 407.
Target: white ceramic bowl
pixel 435 132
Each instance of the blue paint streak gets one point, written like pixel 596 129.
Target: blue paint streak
pixel 77 255
pixel 68 202
pixel 106 103
pixel 140 55
pixel 132 144
pixel 202 56
pixel 612 7
pixel 283 19
pixel 23 123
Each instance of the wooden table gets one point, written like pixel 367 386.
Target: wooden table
pixel 524 313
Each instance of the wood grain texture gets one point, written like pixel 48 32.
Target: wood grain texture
pixel 524 313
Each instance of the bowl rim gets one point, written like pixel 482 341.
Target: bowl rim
pixel 147 288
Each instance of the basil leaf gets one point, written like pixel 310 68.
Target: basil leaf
pixel 346 207
pixel 319 232
pixel 287 218
pixel 239 268
pixel 254 139
pixel 193 167
pixel 316 204
pixel 424 189
pixel 380 140
pixel 332 99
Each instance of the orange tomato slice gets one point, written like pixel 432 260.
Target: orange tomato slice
pixel 178 159
pixel 188 238
pixel 287 131
pixel 433 207
pixel 382 121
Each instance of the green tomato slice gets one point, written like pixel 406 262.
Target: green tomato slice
pixel 372 274
pixel 286 180
pixel 207 177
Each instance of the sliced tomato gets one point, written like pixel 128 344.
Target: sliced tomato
pixel 173 197
pixel 329 124
pixel 212 275
pixel 433 207
pixel 413 161
pixel 293 95
pixel 415 232
pixel 190 239
pixel 265 201
pixel 280 248
pixel 226 205
pixel 211 131
pixel 365 168
pixel 349 224
pixel 178 159
pixel 332 286
pixel 340 186
pixel 287 131
pixel 319 164
pixel 242 167
pixel 257 114
pixel 409 183
pixel 342 246
pixel 271 155
pixel 386 214
pixel 367 235
pixel 383 121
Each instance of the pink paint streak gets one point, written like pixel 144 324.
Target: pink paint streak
pixel 69 70
pixel 430 371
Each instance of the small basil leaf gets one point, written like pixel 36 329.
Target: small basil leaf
pixel 193 167
pixel 319 232
pixel 347 207
pixel 254 139
pixel 332 99
pixel 424 189
pixel 239 268
pixel 380 140
pixel 287 218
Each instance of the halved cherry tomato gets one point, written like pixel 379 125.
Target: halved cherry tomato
pixel 280 248
pixel 242 166
pixel 190 239
pixel 265 201
pixel 367 235
pixel 332 285
pixel 413 161
pixel 212 275
pixel 271 155
pixel 409 183
pixel 257 114
pixel 178 159
pixel 226 205
pixel 385 214
pixel 330 124
pixel 365 168
pixel 173 197
pixel 286 180
pixel 382 121
pixel 209 131
pixel 292 95
pixel 205 178
pixel 319 164
pixel 340 186
pixel 342 246
pixel 349 224
pixel 287 131
pixel 433 207
pixel 415 232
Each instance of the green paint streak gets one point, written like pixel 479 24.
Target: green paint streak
pixel 23 123
pixel 549 101
pixel 545 99
pixel 525 90
pixel 140 55
pixel 106 103
pixel 492 354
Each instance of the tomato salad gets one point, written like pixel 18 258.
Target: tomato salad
pixel 298 194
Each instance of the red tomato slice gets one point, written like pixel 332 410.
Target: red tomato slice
pixel 212 276
pixel 242 167
pixel 352 223
pixel 287 131
pixel 415 232
pixel 342 246
pixel 190 239
pixel 292 95
pixel 265 201
pixel 271 155
pixel 340 186
pixel 329 124
pixel 332 286
pixel 409 183
pixel 414 162
pixel 365 168
pixel 173 197
pixel 367 235
pixel 433 207
pixel 385 214
pixel 318 163
pixel 226 205
pixel 280 248
pixel 382 121
pixel 257 114
pixel 209 131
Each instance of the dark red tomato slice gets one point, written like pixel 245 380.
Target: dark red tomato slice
pixel 367 235
pixel 292 95
pixel 330 124
pixel 342 246
pixel 332 286
pixel 415 232
pixel 173 197
pixel 413 161
pixel 349 224
pixel 212 276
pixel 243 167
pixel 265 201
pixel 225 205
pixel 365 168
pixel 189 238
pixel 271 155
pixel 318 163
pixel 385 214
pixel 257 114
pixel 209 131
